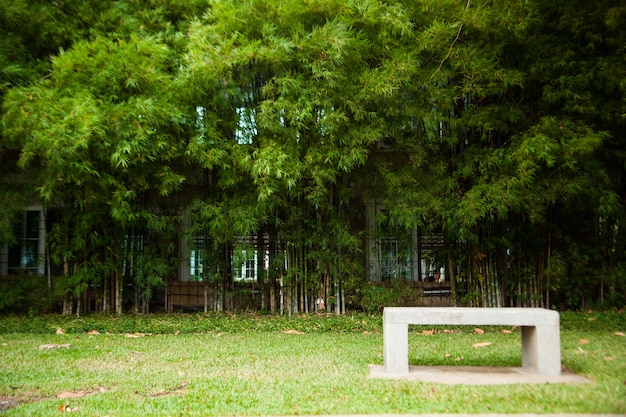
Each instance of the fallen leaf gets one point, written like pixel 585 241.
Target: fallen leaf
pixel 483 344
pixel 177 333
pixel 580 351
pixel 583 341
pixel 293 332
pixel 428 332
pixel 447 355
pixel 60 331
pixel 69 409
pixel 136 335
pixel 506 331
pixel 459 359
pixel 609 358
pixel 591 319
pixel 55 346
pixel 70 394
pixel 93 332
pixel 479 331
pixel 366 332
pixel 619 334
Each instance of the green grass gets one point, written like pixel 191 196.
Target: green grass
pixel 205 365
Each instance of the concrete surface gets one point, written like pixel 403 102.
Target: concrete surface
pixel 476 375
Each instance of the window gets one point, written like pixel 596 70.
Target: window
pixel 246 260
pixel 396 253
pixel 204 263
pixel 432 258
pixel 390 254
pixel 244 263
pixel 395 258
pixel 26 255
pixel 246 126
pixel 196 259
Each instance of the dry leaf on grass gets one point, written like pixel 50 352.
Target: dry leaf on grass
pixel 428 332
pixel 583 341
pixel 55 346
pixel 60 331
pixel 65 408
pixel 136 335
pixel 479 331
pixel 70 394
pixel 506 331
pixel 619 334
pixel 293 332
pixel 482 344
pixel 93 332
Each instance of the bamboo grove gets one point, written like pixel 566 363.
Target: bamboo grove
pixel 498 125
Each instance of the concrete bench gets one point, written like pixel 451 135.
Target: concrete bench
pixel 541 342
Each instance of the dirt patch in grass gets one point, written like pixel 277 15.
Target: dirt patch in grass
pixel 7 402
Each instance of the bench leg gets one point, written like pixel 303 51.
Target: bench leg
pixel 396 348
pixel 541 349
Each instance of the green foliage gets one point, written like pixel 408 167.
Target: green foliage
pixel 26 294
pixel 191 323
pixel 479 120
pixel 47 324
pixel 372 298
pixel 600 321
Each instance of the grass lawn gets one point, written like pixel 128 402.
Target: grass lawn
pixel 206 365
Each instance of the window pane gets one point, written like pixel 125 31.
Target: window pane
pixel 25 252
pixel 15 255
pixel 30 254
pixel 32 225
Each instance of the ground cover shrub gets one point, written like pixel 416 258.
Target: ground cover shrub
pixel 26 294
pixel 190 323
pixel 373 299
pixel 593 320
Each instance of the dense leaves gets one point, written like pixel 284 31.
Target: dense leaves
pixel 499 125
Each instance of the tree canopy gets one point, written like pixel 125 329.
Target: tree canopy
pixel 498 125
